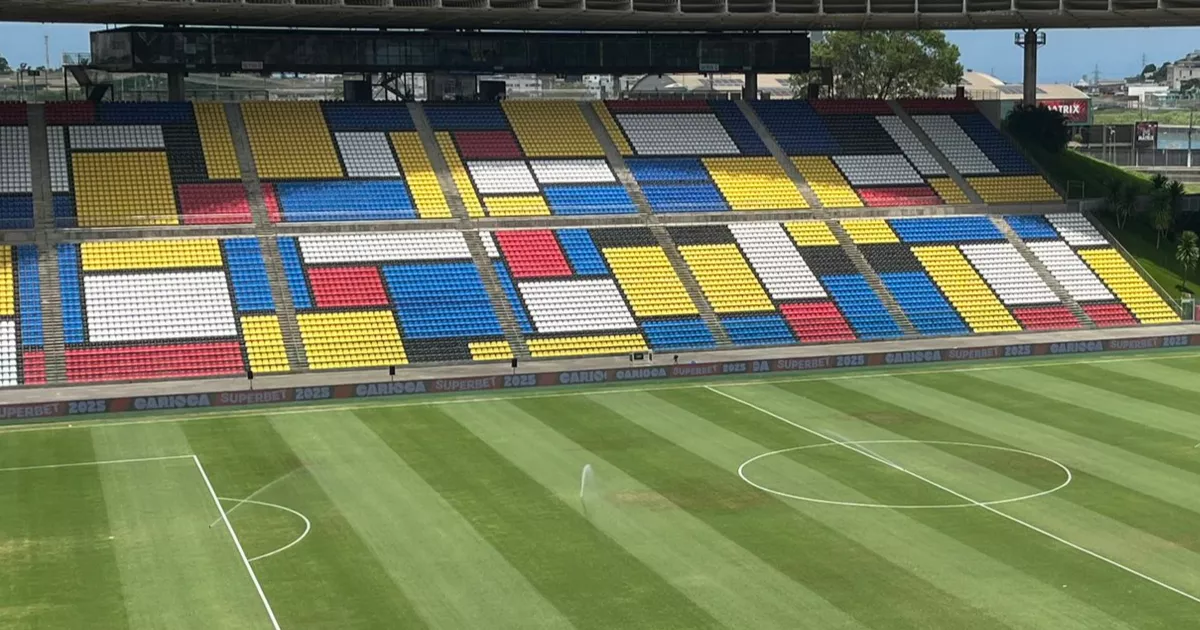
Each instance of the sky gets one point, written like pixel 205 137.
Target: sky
pixel 1067 56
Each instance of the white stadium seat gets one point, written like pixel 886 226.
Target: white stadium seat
pixel 1070 272
pixel 878 170
pixel 1008 273
pixel 158 306
pixel 911 146
pixel 502 177
pixel 576 306
pixel 956 145
pixel 677 134
pixel 409 245
pixel 367 154
pixel 116 137
pixel 774 257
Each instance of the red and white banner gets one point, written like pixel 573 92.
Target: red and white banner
pixel 1076 110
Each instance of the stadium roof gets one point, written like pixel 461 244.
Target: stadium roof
pixel 656 15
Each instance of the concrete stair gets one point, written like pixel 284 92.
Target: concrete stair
pixel 937 154
pixel 872 278
pixel 434 152
pixel 693 288
pixel 616 162
pixel 46 238
pixel 491 282
pixel 782 158
pixel 266 232
pixel 1042 272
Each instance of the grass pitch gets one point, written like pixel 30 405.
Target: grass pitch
pixel 1054 494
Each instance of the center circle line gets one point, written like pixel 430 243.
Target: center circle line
pixel 741 473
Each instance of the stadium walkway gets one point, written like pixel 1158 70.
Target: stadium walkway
pixel 314 379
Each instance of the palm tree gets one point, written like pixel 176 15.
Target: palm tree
pixel 1175 191
pixel 1187 253
pixel 1158 181
pixel 1114 200
pixel 1162 220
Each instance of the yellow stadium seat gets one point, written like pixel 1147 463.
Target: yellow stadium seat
pixel 516 206
pixel 948 190
pixel 552 129
pixel 869 231
pixel 593 344
pixel 726 279
pixel 264 344
pixel 7 295
pixel 827 182
pixel 754 183
pixel 810 233
pixel 157 254
pixel 290 140
pixel 1014 189
pixel 462 179
pixel 649 281
pixel 1143 301
pixel 216 141
pixel 351 340
pixel 614 130
pixel 124 189
pixel 490 350
pixel 422 180
pixel 970 295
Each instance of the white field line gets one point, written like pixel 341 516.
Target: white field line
pixel 237 543
pixel 845 440
pixel 307 525
pixel 97 463
pixel 964 497
pixel 238 502
pixel 434 399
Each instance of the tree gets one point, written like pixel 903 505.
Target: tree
pixel 1161 217
pixel 1175 191
pixel 1149 69
pixel 1158 181
pixel 886 64
pixel 4 67
pixel 1187 253
pixel 1038 126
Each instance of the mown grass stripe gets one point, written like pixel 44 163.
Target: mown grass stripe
pixel 450 573
pixel 1128 546
pixel 331 579
pixel 176 571
pixel 872 590
pixel 1151 404
pixel 1139 511
pixel 1135 438
pixel 934 538
pixel 593 581
pixel 58 568
pixel 1185 376
pixel 732 585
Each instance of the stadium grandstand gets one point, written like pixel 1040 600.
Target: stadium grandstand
pixel 764 271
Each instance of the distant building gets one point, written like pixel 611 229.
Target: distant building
pixel 1185 69
pixel 773 86
pixel 995 97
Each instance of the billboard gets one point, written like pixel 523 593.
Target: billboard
pixel 1146 134
pixel 1078 111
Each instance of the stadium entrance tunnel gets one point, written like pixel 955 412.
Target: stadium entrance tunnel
pixel 905 474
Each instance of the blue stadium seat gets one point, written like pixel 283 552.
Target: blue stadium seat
pixel 582 253
pixel 862 308
pixel 16 212
pixel 994 145
pixel 679 334
pixel 462 117
pixel 923 303
pixel 248 274
pixel 367 117
pixel 345 200
pixel 946 229
pixel 738 128
pixel 648 170
pixel 30 291
pixel 595 199
pixel 289 254
pixel 796 127
pixel 441 300
pixel 684 198
pixel 72 299
pixel 1030 226
pixel 64 211
pixel 757 330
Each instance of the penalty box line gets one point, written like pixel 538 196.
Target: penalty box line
pixel 935 484
pixel 207 484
